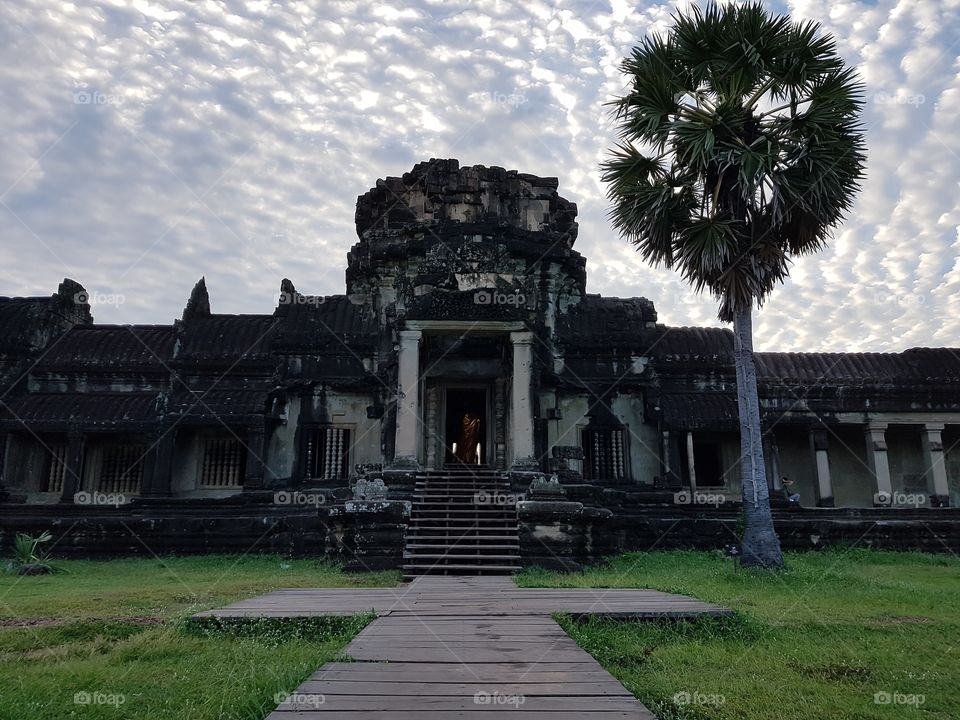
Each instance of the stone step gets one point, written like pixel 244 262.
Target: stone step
pixel 463 546
pixel 462 528
pixel 465 484
pixel 464 474
pixel 455 538
pixel 470 559
pixel 463 467
pixel 430 567
pixel 462 488
pixel 451 533
pixel 492 513
pixel 433 475
pixel 466 494
pixel 466 501
pixel 462 535
pixel 429 506
pixel 465 510
pixel 471 500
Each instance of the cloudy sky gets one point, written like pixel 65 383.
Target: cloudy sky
pixel 147 143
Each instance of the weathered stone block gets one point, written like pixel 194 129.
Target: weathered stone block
pixel 369 489
pixel 551 509
pixel 542 486
pixel 568 452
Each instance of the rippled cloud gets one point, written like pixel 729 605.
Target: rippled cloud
pixel 149 143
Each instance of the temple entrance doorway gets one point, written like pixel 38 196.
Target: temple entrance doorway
pixel 466 428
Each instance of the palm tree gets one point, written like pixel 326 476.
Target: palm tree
pixel 740 148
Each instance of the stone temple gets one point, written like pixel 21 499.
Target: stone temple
pixel 465 404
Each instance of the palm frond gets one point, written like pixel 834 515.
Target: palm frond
pixel 732 193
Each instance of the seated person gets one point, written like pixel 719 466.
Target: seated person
pixel 792 497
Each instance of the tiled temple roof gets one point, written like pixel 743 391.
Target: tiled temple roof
pixel 699 411
pixel 217 404
pixel 623 326
pixel 691 343
pixel 917 365
pixel 111 347
pixel 226 339
pixel 84 409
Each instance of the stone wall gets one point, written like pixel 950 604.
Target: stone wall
pixel 572 542
pixel 370 535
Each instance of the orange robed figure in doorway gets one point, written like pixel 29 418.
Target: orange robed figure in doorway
pixel 469 437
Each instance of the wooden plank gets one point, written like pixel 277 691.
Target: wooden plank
pixel 385 666
pixel 460 656
pixel 469 715
pixel 486 673
pixel 369 688
pixel 389 703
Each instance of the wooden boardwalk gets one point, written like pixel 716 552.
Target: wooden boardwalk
pixel 464 647
pixel 431 596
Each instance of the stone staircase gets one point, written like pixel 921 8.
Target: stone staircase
pixel 463 522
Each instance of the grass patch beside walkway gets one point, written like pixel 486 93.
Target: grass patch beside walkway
pixel 107 639
pixel 851 635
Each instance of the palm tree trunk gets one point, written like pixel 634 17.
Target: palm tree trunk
pixel 760 546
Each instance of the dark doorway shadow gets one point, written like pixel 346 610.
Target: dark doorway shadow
pixel 466 426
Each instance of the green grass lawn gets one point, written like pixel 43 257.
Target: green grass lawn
pixel 106 639
pixel 833 636
pixel 817 641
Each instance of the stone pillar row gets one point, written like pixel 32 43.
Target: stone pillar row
pixel 879 464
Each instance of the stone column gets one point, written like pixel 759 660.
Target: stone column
pixel 406 450
pixel 670 458
pixel 691 465
pixel 256 468
pixel 158 469
pixel 73 471
pixel 521 407
pixel 4 493
pixel 435 433
pixel 821 451
pixel 933 458
pixel 878 463
pixel 500 423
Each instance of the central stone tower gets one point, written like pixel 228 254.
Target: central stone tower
pixel 467 270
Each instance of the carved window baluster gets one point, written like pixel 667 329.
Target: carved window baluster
pixel 56 467
pixel 121 468
pixel 223 460
pixel 328 454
